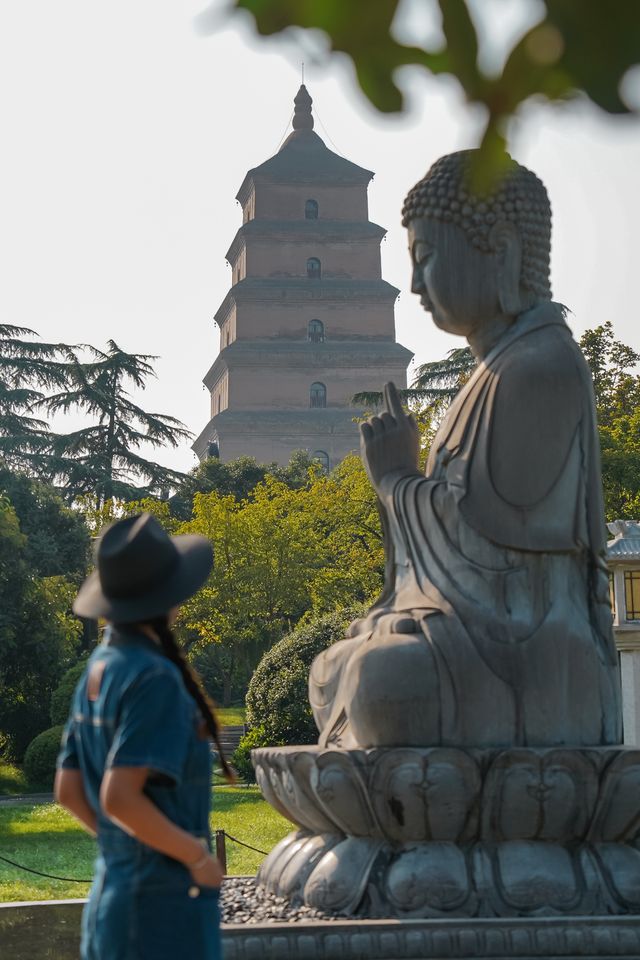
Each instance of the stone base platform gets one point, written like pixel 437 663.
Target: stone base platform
pixel 51 931
pixel 427 833
pixel 572 938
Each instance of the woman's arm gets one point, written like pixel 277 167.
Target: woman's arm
pixel 69 792
pixel 123 800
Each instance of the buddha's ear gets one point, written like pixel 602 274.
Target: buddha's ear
pixel 504 241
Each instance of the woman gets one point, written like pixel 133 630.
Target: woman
pixel 135 763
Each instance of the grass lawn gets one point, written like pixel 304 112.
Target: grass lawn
pixel 231 716
pixel 13 780
pixel 46 838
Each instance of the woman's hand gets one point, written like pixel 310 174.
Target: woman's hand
pixel 207 872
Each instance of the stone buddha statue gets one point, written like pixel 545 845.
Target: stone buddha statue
pixel 494 625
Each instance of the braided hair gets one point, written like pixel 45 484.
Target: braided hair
pixel 171 650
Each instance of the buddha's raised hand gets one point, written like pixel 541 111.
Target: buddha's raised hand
pixel 389 444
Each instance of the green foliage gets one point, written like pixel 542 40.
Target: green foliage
pixel 617 395
pixel 27 366
pixel 278 699
pixel 61 696
pixel 101 459
pixel 241 759
pixel 41 754
pixel 38 637
pixel 237 478
pixel 278 555
pixel 558 57
pixel 57 541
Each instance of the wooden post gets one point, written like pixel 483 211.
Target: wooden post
pixel 221 850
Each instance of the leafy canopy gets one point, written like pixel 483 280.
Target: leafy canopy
pixel 27 368
pixel 102 459
pixel 585 46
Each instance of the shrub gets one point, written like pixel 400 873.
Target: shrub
pixel 241 759
pixel 40 757
pixel 61 696
pixel 278 698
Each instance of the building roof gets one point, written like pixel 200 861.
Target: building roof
pixel 330 421
pixel 340 231
pixel 303 157
pixel 301 289
pixel 303 354
pixel 625 546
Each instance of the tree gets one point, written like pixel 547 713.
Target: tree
pixel 617 396
pixel 100 460
pixel 558 57
pixel 280 554
pixel 27 367
pixel 57 538
pixel 434 383
pixel 237 478
pixel 38 637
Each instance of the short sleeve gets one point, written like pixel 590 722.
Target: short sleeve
pixel 68 756
pixel 154 725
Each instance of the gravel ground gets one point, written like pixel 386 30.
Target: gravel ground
pixel 241 903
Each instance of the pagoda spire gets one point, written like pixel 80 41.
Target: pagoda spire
pixel 302 118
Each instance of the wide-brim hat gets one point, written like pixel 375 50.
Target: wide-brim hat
pixel 142 572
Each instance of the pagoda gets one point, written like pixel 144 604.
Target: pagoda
pixel 308 321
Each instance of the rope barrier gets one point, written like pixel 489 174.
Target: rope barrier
pixel 243 844
pixel 52 876
pixel 39 873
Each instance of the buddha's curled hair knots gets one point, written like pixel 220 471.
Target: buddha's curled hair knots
pixel 445 194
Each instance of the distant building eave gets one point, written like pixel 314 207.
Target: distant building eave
pixel 339 231
pixel 302 289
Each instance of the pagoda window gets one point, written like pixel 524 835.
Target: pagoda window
pixel 315 331
pixel 632 594
pixel 311 210
pixel 317 395
pixel 313 268
pixel 322 458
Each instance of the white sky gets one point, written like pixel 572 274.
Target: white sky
pixel 126 133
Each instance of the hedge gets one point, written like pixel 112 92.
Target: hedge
pixel 40 757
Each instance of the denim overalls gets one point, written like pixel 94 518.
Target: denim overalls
pixel 139 714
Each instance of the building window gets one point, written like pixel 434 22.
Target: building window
pixel 318 395
pixel 311 210
pixel 315 331
pixel 632 594
pixel 322 458
pixel 313 268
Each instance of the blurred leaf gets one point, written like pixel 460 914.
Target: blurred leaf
pixel 360 29
pixel 462 46
pixel 585 46
pixel 601 42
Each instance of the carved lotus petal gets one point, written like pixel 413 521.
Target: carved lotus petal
pixel 272 867
pixel 532 877
pixel 297 869
pixel 620 864
pixel 338 882
pixel 618 814
pixel 548 795
pixel 425 795
pixel 339 787
pixel 431 879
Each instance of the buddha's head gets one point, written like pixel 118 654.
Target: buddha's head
pixel 476 257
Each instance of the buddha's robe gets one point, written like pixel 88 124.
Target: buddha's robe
pixel 494 627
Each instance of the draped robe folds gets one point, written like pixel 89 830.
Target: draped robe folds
pixel 494 626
